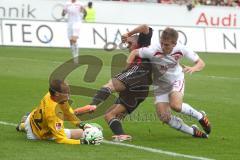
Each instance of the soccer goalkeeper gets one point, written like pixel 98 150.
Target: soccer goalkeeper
pixel 46 121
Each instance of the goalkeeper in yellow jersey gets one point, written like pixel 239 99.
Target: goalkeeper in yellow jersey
pixel 46 121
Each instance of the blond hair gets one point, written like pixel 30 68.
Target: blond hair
pixel 170 34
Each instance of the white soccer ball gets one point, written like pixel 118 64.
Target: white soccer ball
pixel 93 133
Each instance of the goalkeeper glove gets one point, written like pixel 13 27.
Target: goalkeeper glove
pixel 84 125
pixel 81 125
pixel 93 141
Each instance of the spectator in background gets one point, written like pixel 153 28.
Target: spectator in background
pixel 204 2
pixel 196 2
pixel 238 2
pixel 217 3
pixel 183 2
pixel 192 3
pixel 220 2
pixel 165 1
pixel 90 13
pixel 233 3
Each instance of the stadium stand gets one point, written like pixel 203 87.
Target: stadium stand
pixel 231 3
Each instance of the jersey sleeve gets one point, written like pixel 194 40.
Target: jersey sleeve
pixel 57 129
pixel 69 114
pixel 190 54
pixel 146 52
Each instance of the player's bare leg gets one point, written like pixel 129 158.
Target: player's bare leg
pixel 113 116
pixel 164 113
pixel 177 105
pixel 115 85
pixel 76 133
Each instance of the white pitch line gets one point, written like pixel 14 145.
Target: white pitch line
pixel 153 150
pixel 8 124
pixel 148 149
pixel 218 77
pixel 32 60
pixel 222 77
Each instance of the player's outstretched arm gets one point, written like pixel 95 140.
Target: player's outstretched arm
pixel 132 56
pixel 199 65
pixel 85 109
pixel 139 29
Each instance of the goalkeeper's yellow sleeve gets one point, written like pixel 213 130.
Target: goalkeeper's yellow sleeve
pixel 57 129
pixel 69 114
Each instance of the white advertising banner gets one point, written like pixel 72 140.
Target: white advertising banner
pixel 54 34
pixel 34 33
pixel 1 37
pixel 126 13
pixel 223 40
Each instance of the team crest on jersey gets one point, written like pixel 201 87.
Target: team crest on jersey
pixel 159 54
pixel 177 55
pixel 58 126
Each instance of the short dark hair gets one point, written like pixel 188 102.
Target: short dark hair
pixel 55 86
pixel 90 4
pixel 170 33
pixel 144 40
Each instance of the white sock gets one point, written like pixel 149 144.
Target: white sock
pixel 74 48
pixel 189 110
pixel 178 124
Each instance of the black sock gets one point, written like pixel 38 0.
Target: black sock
pixel 116 126
pixel 101 95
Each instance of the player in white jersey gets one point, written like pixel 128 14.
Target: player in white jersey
pixel 75 13
pixel 168 81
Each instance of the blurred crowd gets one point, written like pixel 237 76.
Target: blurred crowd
pixel 232 3
pixel 203 2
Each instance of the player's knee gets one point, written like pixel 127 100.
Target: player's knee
pixel 117 85
pixel 121 115
pixel 108 116
pixel 73 40
pixel 175 106
pixel 109 85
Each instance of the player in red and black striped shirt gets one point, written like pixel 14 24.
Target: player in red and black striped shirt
pixel 132 83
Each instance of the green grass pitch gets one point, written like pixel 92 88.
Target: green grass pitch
pixel 24 74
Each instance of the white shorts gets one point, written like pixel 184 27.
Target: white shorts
pixel 178 86
pixel 28 129
pixel 32 136
pixel 74 29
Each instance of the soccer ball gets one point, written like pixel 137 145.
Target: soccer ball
pixel 93 135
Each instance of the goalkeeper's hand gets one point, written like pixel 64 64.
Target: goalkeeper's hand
pixel 93 141
pixel 84 125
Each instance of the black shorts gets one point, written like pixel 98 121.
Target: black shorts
pixel 131 99
pixel 137 80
